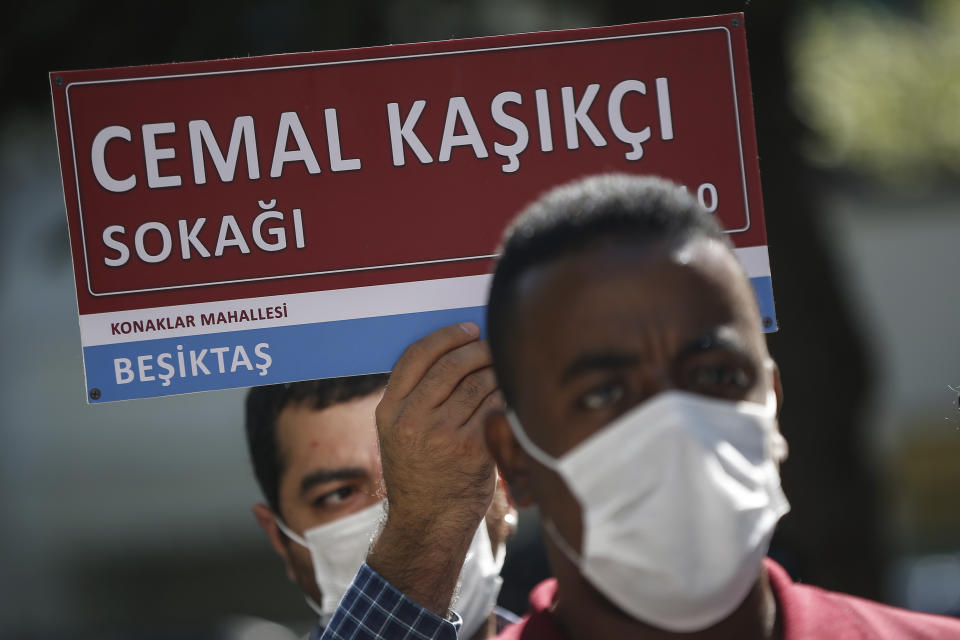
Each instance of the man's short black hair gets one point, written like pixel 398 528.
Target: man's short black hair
pixel 573 217
pixel 265 403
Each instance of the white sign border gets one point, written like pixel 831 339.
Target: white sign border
pixel 333 305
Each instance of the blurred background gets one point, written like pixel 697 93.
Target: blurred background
pixel 132 520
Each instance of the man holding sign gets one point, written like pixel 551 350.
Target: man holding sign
pixel 641 421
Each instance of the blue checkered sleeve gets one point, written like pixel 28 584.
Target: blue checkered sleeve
pixel 373 608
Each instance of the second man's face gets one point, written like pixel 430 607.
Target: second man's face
pixel 331 468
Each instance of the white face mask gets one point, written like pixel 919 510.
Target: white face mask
pixel 679 496
pixel 479 583
pixel 338 549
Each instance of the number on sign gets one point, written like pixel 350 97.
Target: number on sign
pixel 708 192
pixel 707 196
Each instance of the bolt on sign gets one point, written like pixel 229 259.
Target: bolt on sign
pixel 272 219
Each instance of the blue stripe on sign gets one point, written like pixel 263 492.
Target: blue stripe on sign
pixel 763 287
pixel 236 359
pixel 282 354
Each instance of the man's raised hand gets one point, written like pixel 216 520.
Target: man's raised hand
pixel 438 473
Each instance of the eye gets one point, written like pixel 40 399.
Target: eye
pixel 722 379
pixel 602 396
pixel 336 497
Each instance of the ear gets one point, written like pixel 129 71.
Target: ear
pixel 510 516
pixel 777 384
pixel 267 520
pixel 510 458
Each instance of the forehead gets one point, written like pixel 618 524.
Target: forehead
pixel 654 298
pixel 342 435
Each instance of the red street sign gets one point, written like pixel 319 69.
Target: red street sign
pixel 233 180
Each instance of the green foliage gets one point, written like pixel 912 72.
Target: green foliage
pixel 881 91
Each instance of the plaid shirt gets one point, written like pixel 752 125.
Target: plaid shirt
pixel 373 608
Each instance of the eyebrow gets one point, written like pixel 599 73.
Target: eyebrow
pixel 598 361
pixel 321 476
pixel 715 339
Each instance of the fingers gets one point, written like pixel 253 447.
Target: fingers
pixel 468 396
pixel 450 372
pixel 475 424
pixel 420 356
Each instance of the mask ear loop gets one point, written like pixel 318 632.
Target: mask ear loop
pixel 527 444
pixel 290 534
pixel 324 616
pixel 549 462
pixel 317 609
pixel 562 544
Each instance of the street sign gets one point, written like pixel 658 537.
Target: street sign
pixel 271 219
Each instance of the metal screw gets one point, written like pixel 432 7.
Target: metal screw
pixel 58 80
pixel 735 22
pixel 94 394
pixel 767 323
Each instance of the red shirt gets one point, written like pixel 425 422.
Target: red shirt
pixel 808 613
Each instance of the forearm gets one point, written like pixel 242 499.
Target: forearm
pixel 438 475
pixel 423 559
